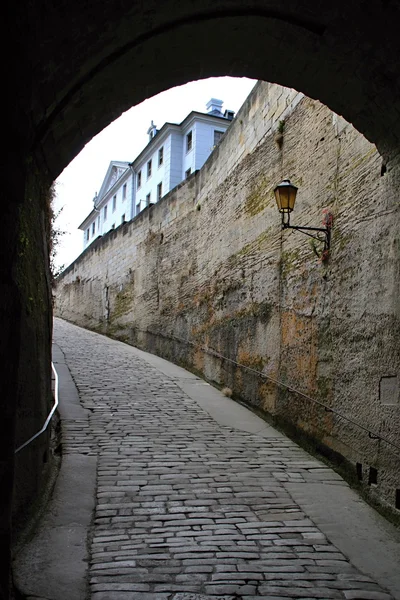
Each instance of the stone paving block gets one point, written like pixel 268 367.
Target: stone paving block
pixel 185 596
pixel 365 595
pixel 129 596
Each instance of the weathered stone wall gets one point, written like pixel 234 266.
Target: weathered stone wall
pixel 208 272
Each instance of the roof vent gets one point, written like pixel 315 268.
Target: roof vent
pixel 152 130
pixel 229 114
pixel 214 107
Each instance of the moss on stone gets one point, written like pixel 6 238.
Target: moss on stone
pixel 259 198
pixel 289 261
pixel 122 302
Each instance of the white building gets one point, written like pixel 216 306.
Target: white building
pixel 173 153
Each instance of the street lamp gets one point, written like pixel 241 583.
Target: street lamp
pixel 285 196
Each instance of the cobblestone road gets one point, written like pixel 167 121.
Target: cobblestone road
pixel 186 508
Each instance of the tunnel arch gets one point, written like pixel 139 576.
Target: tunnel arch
pixel 138 55
pixel 73 67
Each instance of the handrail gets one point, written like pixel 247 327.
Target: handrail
pixel 50 414
pixel 371 434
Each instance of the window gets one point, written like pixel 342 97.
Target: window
pixel 139 179
pixel 123 218
pixel 159 191
pixel 114 203
pixel 87 234
pixel 105 212
pixel 373 476
pixel 98 222
pixel 148 199
pixel 149 169
pixel 161 156
pixel 189 139
pixel 138 208
pixel 217 136
pixel 124 192
pixel 93 228
pixel 113 226
pixel 188 172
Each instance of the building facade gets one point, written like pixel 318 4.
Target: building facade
pixel 172 154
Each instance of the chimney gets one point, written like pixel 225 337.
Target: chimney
pixel 214 107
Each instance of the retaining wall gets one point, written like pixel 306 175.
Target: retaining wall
pixel 208 279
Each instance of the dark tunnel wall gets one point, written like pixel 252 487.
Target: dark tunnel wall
pixel 74 67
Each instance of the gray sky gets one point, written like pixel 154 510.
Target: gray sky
pixel 123 140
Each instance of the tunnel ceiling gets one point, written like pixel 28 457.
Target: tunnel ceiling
pixel 89 62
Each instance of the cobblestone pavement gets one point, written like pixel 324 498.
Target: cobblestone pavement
pixel 187 509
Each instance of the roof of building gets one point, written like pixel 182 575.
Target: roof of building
pixel 168 125
pixel 123 166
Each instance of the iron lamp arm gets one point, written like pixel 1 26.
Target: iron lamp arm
pixel 326 231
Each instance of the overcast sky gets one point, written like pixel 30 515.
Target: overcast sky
pixel 124 139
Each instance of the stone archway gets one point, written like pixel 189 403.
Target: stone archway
pixel 75 68
pixel 91 64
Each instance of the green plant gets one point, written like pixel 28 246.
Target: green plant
pixel 56 234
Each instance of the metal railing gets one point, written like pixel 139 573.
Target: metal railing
pixel 50 414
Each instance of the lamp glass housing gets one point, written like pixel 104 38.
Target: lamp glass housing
pixel 285 196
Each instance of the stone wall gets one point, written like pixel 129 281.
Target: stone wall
pixel 32 339
pixel 208 279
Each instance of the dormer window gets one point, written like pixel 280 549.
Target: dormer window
pixel 229 114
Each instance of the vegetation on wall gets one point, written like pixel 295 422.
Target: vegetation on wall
pixel 55 235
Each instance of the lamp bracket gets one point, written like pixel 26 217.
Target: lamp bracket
pixel 323 234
